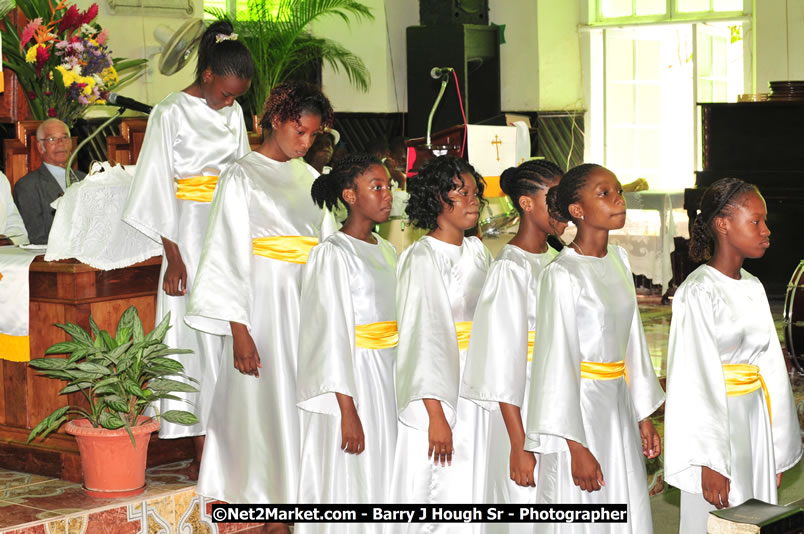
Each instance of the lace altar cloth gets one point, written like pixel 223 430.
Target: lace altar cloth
pixel 88 227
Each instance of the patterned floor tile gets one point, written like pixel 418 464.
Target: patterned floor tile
pixel 14 479
pixel 14 514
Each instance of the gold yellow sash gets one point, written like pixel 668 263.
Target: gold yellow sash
pixel 289 248
pixel 492 188
pixel 602 370
pixel 464 330
pixel 197 188
pixel 531 342
pixel 382 335
pixel 15 348
pixel 742 379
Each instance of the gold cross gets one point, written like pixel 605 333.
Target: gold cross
pixel 497 144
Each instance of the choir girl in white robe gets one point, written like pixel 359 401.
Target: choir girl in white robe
pixel 191 138
pixel 590 423
pixel 731 427
pixel 443 438
pixel 498 362
pixel 345 380
pixel 262 226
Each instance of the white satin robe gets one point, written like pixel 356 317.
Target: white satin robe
pixel 347 282
pixel 438 285
pixel 185 137
pixel 498 366
pixel 251 453
pixel 587 311
pixel 719 320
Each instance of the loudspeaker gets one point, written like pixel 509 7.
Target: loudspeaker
pixel 441 12
pixel 474 52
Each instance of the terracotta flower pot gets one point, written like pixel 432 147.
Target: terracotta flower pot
pixel 112 465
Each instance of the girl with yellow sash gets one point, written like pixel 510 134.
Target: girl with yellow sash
pixel 192 137
pixel 498 363
pixel 345 381
pixel 443 438
pixel 731 427
pixel 262 226
pixel 592 382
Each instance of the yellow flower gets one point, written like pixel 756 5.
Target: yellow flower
pixel 109 76
pixel 67 75
pixel 30 55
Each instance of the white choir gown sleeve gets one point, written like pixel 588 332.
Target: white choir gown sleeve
pixel 152 207
pixel 14 227
pixel 496 364
pixel 787 448
pixel 242 138
pixel 696 415
pixel 554 403
pixel 326 352
pixel 643 385
pixel 222 289
pixel 428 365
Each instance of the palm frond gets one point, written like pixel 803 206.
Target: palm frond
pixel 277 34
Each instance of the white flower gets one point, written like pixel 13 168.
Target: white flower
pixel 88 30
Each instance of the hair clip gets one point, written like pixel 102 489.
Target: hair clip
pixel 223 37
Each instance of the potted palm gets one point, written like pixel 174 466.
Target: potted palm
pixel 119 377
pixel 276 33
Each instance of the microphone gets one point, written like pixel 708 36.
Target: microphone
pixel 128 103
pixel 438 72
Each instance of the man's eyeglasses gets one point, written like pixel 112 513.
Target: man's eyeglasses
pixel 54 140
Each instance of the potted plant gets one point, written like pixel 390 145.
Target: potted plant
pixel 120 377
pixel 276 33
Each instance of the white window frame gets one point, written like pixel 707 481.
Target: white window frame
pixel 593 54
pixel 671 14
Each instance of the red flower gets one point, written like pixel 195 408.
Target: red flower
pixel 89 14
pixel 48 93
pixel 42 55
pixel 51 112
pixel 31 95
pixel 71 19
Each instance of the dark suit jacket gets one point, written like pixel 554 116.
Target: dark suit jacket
pixel 33 194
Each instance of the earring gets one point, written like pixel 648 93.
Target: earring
pixel 581 217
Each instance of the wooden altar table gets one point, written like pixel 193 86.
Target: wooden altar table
pixel 69 291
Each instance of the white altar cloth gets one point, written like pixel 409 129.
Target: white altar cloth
pixel 88 226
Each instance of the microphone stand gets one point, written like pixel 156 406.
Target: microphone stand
pixel 91 136
pixel 444 82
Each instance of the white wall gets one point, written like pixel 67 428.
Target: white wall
pixel 132 36
pixel 540 62
pixel 779 45
pixel 380 43
pixel 541 59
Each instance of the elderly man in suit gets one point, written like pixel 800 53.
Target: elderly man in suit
pixel 34 192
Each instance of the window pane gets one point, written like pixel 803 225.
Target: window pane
pixel 616 8
pixel 728 5
pixel 651 7
pixel 692 6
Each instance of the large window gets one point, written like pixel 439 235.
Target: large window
pixel 646 78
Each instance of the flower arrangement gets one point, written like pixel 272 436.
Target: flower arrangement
pixel 61 58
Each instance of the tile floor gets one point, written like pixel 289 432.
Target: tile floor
pixel 33 504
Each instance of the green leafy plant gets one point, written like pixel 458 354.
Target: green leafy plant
pixel 276 33
pixel 119 376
